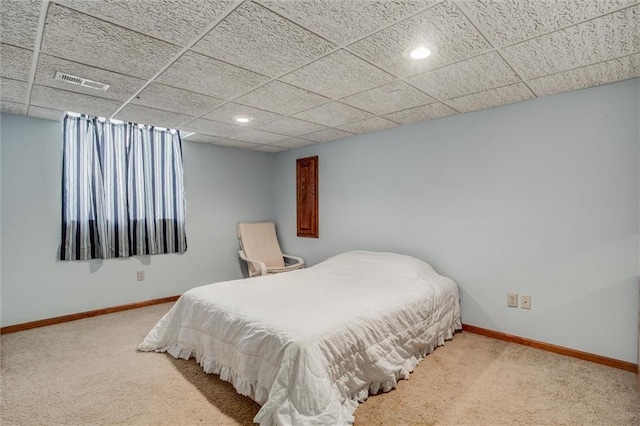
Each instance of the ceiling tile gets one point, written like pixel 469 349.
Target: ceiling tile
pixel 236 144
pixel 594 41
pixel 121 87
pixel 155 117
pixel 13 90
pixel 333 114
pixel 268 148
pixel 255 136
pixel 169 98
pixel 81 38
pixel 291 127
pixel 196 137
pixel 257 39
pixel 62 100
pixel 45 113
pixel 327 135
pixel 462 78
pixel 344 21
pixel 201 74
pixel 421 113
pixel 13 108
pixel 508 22
pixel 281 98
pixel 220 141
pixel 19 22
pixel 492 98
pixel 175 21
pixel 15 62
pixel 442 28
pixel 227 114
pixel 368 125
pixel 338 75
pixel 592 75
pixel 293 143
pixel 389 98
pixel 208 127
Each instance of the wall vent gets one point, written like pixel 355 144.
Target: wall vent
pixel 85 82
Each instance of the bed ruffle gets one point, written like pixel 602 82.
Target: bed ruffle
pixel 281 407
pixel 261 394
pixel 387 385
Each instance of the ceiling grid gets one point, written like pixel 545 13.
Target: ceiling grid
pixel 305 71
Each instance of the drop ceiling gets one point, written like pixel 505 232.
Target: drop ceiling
pixel 305 71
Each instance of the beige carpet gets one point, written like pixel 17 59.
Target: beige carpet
pixel 88 372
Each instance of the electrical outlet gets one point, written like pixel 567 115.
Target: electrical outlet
pixel 140 275
pixel 525 302
pixel 512 300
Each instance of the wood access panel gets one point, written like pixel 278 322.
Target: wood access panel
pixel 307 196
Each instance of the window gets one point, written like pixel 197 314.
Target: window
pixel 122 190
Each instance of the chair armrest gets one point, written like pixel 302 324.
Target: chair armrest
pixel 262 265
pixel 299 259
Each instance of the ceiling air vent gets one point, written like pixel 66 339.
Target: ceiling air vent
pixel 85 82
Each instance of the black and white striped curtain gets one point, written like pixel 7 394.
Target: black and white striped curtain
pixel 122 190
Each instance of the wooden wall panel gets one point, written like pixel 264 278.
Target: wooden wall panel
pixel 307 196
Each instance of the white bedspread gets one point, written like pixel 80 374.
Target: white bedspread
pixel 308 345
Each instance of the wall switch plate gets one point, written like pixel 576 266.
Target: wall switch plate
pixel 525 302
pixel 140 275
pixel 512 300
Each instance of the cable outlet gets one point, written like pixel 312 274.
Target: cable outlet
pixel 525 302
pixel 512 300
pixel 140 275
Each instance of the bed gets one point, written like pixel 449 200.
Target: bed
pixel 309 345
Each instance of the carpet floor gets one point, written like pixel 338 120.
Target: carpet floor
pixel 88 372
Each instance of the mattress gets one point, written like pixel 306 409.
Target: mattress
pixel 309 345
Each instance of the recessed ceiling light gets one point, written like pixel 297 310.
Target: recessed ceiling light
pixel 243 119
pixel 420 52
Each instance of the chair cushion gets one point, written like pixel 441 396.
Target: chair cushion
pixel 259 242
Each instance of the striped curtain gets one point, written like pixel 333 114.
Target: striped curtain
pixel 122 190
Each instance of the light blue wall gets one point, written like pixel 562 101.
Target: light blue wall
pixel 222 186
pixel 538 198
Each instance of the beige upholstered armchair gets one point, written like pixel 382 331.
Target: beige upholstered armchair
pixel 260 249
